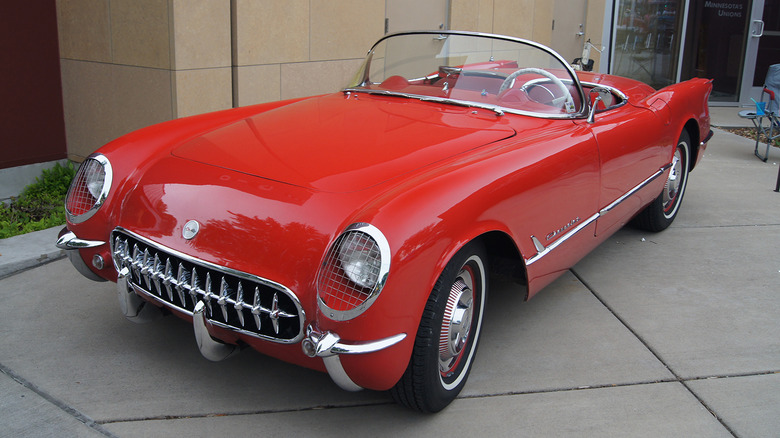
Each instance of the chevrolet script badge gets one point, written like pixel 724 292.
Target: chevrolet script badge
pixel 190 229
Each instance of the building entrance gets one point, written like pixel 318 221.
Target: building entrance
pixel 716 45
pixel 661 42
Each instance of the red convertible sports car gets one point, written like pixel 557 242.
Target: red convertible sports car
pixel 356 232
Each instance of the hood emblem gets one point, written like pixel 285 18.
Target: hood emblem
pixel 190 229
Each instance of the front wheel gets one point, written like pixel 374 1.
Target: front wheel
pixel 447 338
pixel 661 212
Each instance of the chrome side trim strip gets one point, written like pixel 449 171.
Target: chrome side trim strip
pixel 639 187
pixel 546 250
pixel 562 239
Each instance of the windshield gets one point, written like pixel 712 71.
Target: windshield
pixel 487 71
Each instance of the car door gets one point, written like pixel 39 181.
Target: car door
pixel 559 196
pixel 631 150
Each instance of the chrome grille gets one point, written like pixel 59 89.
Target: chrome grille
pixel 234 300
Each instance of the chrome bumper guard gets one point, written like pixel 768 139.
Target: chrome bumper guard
pixel 68 241
pixel 329 347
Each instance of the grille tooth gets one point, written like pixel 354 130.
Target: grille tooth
pixel 168 279
pixel 137 263
pixel 182 280
pixel 194 289
pixel 256 309
pixel 118 252
pixel 157 273
pixel 224 293
pixel 275 313
pixel 154 268
pixel 145 268
pixel 240 303
pixel 209 294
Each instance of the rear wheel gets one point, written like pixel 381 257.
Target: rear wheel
pixel 447 338
pixel 661 212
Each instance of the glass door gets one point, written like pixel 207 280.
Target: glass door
pixel 716 45
pixel 646 40
pixel 768 51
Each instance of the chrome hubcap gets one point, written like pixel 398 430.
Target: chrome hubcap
pixel 672 187
pixel 456 325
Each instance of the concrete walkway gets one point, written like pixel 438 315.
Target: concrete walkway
pixel 669 334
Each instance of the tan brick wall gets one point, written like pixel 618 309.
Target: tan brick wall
pixel 294 48
pixel 127 64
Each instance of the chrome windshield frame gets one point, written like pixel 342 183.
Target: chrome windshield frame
pixel 497 109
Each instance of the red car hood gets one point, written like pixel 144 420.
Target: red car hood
pixel 337 143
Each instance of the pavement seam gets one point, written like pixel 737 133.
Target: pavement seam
pixel 652 351
pixel 463 397
pixel 73 412
pixel 688 227
pixel 239 413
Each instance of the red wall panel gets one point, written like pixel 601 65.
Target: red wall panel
pixel 32 125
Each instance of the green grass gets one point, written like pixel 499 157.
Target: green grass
pixel 40 205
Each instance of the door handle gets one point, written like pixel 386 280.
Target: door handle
pixel 758 29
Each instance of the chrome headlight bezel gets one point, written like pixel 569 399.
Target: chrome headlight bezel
pixel 353 272
pixel 89 189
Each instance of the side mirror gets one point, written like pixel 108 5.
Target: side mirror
pixel 596 96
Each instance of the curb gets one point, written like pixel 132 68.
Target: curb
pixel 29 250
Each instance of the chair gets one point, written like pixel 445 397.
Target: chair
pixel 768 109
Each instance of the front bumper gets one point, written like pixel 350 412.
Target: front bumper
pixel 140 281
pixel 329 347
pixel 68 241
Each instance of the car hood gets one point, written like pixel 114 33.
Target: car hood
pixel 344 143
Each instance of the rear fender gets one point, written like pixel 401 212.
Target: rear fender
pixel 684 106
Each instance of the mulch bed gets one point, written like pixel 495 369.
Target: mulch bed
pixel 749 133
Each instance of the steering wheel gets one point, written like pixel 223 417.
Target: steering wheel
pixel 567 99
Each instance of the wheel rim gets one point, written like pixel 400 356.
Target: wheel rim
pixel 674 182
pixel 457 322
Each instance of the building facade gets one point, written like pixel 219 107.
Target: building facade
pixel 125 64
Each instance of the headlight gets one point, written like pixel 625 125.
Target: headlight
pixel 89 189
pixel 354 272
pixel 360 259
